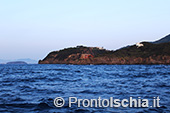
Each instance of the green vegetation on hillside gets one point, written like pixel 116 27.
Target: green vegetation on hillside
pixel 147 50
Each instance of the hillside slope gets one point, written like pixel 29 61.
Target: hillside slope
pixel 149 53
pixel 163 40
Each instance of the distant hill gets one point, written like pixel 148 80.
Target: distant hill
pixel 28 60
pixel 16 62
pixel 163 40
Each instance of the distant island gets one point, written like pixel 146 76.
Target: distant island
pixel 26 60
pixel 157 52
pixel 16 62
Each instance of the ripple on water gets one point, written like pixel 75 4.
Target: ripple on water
pixel 32 88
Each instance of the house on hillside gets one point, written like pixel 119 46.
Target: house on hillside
pixel 139 45
pixel 86 56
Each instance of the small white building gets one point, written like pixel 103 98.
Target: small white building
pixel 139 45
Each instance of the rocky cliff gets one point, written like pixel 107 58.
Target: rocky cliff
pixel 141 53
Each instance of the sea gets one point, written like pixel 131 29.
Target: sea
pixel 32 88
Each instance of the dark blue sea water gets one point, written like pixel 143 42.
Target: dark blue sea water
pixel 32 88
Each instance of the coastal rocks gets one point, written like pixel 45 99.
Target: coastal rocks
pixel 111 61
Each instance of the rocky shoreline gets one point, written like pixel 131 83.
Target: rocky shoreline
pixel 113 61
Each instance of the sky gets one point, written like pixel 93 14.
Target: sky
pixel 33 28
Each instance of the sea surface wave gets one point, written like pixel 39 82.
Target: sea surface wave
pixel 32 88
